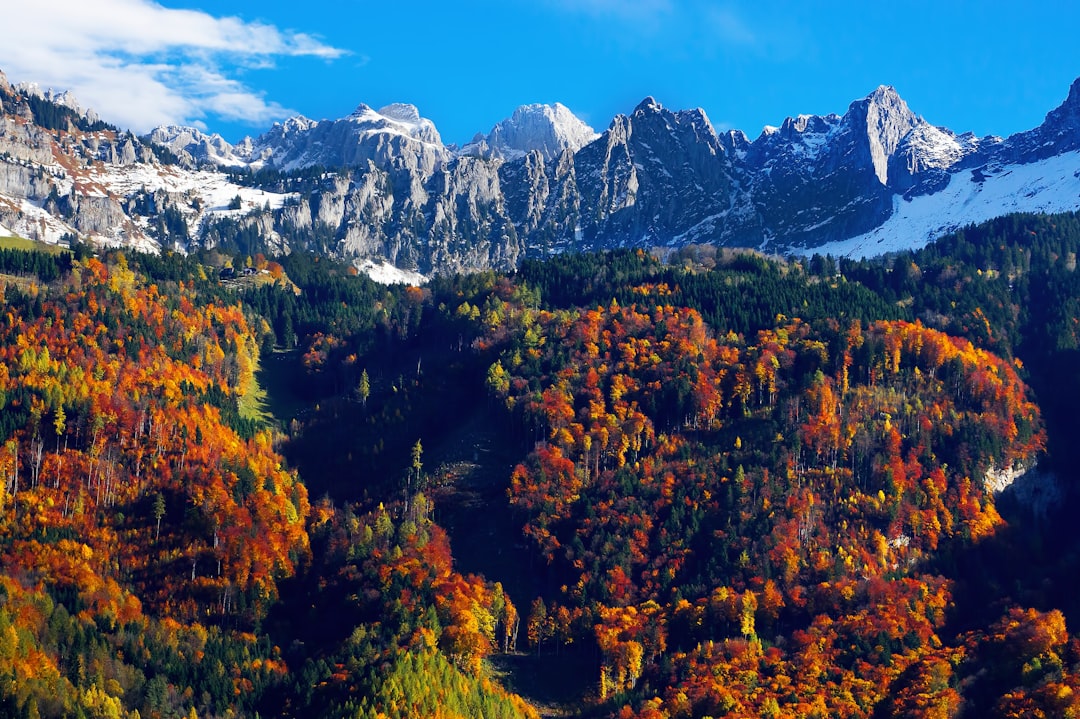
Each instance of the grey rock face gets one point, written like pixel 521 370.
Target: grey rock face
pixel 197 147
pixel 99 216
pixel 395 136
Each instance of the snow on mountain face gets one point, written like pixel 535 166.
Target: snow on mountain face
pixel 298 142
pixel 386 274
pixel 547 129
pixel 397 118
pixel 981 194
pixel 108 186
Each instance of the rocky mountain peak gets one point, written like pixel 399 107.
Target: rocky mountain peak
pixel 648 105
pixel 298 123
pixel 550 130
pixel 882 119
pixel 798 140
pixel 64 98
pixel 735 140
pixel 1066 116
pixel 396 118
pixel 197 145
pixel 885 94
pixel 1074 93
pixel 695 117
pixel 361 110
pixel 1059 132
pixel 801 124
pixel 401 111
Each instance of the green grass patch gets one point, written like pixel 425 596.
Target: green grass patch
pixel 252 404
pixel 20 243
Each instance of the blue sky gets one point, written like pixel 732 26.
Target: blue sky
pixel 235 66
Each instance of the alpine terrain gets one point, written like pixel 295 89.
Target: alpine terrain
pixel 654 423
pixel 379 187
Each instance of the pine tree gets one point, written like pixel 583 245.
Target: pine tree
pixel 159 512
pixel 363 390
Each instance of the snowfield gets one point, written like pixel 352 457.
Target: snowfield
pixel 32 222
pixel 972 196
pixel 213 189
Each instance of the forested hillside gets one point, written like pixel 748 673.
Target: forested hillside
pixel 715 485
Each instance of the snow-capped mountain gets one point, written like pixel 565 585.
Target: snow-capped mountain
pixel 395 133
pixel 550 130
pixel 380 185
pixel 391 133
pixel 200 148
pixel 299 143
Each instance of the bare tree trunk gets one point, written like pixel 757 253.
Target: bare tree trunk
pixel 37 453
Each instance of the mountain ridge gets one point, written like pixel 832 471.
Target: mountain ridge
pixel 380 185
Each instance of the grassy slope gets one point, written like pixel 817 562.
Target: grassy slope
pixel 18 243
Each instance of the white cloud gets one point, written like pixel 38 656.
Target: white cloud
pixel 139 64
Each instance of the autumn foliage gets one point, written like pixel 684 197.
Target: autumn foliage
pixel 707 496
pixel 737 488
pixel 124 490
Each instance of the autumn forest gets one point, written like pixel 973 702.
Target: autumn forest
pixel 699 483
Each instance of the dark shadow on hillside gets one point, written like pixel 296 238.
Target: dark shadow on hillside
pixel 552 682
pixel 1032 562
pixel 474 463
pixel 276 376
pixel 354 451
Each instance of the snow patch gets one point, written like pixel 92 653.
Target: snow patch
pixel 386 274
pixel 32 222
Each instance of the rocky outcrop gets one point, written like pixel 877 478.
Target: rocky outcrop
pixel 103 216
pixel 1059 133
pixel 1037 491
pixel 197 148
pixel 394 137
